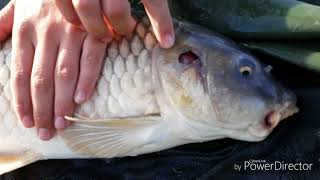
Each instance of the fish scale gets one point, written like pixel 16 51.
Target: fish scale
pixel 11 127
pixel 123 88
pixel 142 104
pixel 5 94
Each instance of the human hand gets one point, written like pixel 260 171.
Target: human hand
pixel 45 62
pixel 102 17
pixel 6 20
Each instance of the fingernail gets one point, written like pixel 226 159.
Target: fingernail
pixel 44 134
pixel 168 41
pixel 60 123
pixel 27 121
pixel 80 97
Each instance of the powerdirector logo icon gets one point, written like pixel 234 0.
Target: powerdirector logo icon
pixel 263 165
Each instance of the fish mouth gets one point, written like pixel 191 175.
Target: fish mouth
pixel 272 119
pixel 284 111
pixel 287 107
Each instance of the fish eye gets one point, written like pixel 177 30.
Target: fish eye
pixel 188 57
pixel 246 70
pixel 246 67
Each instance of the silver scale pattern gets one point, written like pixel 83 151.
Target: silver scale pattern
pixel 7 116
pixel 125 85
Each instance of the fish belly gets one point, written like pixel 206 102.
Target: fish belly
pixel 124 89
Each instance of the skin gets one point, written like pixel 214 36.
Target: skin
pixel 116 15
pixel 57 52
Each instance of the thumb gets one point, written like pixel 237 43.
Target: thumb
pixel 6 20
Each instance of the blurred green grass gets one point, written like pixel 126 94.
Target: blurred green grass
pixel 286 29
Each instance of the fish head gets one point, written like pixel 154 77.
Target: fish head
pixel 216 86
pixel 245 97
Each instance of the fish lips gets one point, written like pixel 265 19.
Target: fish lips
pixel 272 119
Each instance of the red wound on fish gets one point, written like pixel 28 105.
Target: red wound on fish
pixel 188 57
pixel 268 121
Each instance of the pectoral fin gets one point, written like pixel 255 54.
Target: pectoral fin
pixel 11 161
pixel 107 138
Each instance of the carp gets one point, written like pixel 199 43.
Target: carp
pixel 149 99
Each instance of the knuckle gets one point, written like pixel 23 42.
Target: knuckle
pixel 74 32
pixel 70 29
pixel 116 12
pixel 66 72
pixel 48 29
pixel 90 61
pixel 41 83
pixel 20 77
pixel 42 119
pixel 23 28
pixel 20 107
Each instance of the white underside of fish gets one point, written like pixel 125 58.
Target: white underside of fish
pixel 124 90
